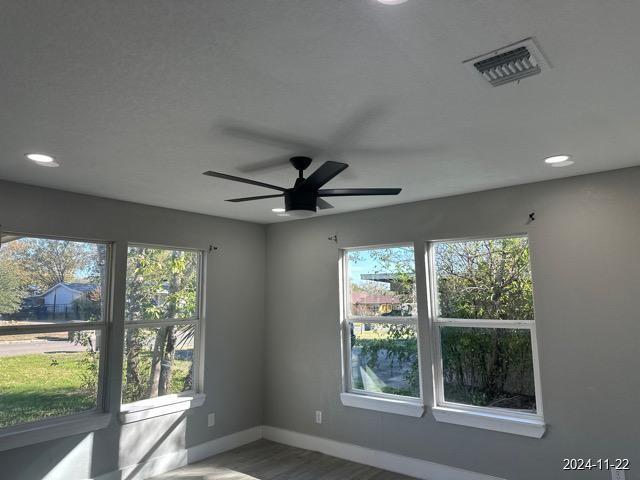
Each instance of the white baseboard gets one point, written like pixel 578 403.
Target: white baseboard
pixel 376 458
pixel 413 467
pixel 165 463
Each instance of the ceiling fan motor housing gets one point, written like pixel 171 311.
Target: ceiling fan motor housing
pixel 300 200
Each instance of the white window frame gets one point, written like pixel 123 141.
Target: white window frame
pixel 175 402
pixel 492 418
pixel 85 421
pixel 353 397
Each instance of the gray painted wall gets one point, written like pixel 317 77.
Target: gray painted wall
pixel 585 246
pixel 585 260
pixel 234 327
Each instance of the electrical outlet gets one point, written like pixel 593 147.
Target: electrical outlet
pixel 318 416
pixel 617 474
pixel 211 419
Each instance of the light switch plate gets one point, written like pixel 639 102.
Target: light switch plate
pixel 211 419
pixel 318 416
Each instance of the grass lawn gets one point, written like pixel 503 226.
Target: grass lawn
pixel 37 386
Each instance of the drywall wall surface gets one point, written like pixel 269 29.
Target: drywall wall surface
pixel 233 352
pixel 585 251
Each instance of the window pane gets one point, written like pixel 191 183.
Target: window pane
pixel 157 362
pixel 488 367
pixel 381 282
pixel 50 281
pixel 484 279
pixel 384 358
pixel 47 375
pixel 161 284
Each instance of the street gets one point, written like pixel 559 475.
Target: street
pixel 22 348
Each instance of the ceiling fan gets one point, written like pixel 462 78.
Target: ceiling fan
pixel 305 197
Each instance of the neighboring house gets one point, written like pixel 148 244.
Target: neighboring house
pixel 366 303
pixel 60 302
pixel 386 303
pixel 64 294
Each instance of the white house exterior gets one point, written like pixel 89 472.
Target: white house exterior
pixel 65 293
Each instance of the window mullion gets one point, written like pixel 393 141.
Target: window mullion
pixel 158 323
pixel 394 320
pixel 484 323
pixel 47 328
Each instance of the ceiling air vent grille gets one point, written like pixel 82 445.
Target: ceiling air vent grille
pixel 509 64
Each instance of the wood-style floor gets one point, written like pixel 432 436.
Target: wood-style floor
pixel 264 460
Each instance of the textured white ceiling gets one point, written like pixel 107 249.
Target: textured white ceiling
pixel 137 98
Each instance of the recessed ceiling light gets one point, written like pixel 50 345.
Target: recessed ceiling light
pixel 556 159
pixel 391 2
pixel 278 210
pixel 42 159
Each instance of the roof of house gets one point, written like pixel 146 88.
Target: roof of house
pixel 75 286
pixel 371 298
pixel 81 287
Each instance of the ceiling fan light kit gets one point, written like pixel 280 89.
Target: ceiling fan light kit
pixel 305 197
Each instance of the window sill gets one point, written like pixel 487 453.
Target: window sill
pixel 52 429
pixel 157 407
pixel 529 427
pixel 387 405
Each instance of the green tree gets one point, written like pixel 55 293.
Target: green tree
pixel 49 262
pixel 488 279
pixel 11 288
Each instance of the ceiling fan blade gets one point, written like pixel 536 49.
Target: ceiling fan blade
pixel 323 204
pixel 248 199
pixel 349 192
pixel 323 174
pixel 243 180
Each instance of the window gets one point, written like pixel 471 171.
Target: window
pixel 485 342
pixel 162 323
pixel 52 327
pixel 379 326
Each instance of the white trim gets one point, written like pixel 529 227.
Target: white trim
pixel 413 467
pixel 506 423
pixel 156 407
pixel 483 323
pixel 164 463
pixel 389 405
pixel 381 319
pixel 30 433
